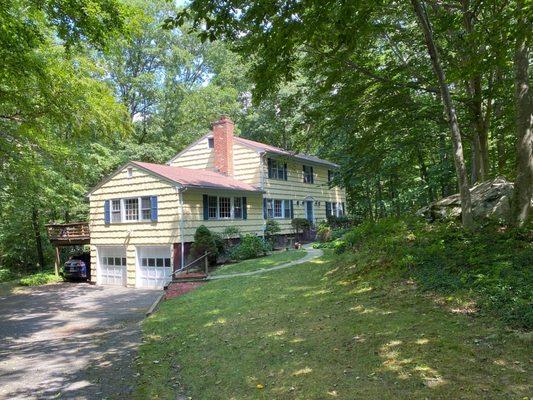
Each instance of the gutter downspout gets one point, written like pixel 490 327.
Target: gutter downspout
pixel 182 224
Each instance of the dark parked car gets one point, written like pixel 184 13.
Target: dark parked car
pixel 78 267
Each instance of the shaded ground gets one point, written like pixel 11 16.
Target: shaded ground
pixel 67 340
pixel 310 332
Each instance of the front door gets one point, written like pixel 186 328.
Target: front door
pixel 309 211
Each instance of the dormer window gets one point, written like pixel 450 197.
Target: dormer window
pixel 210 142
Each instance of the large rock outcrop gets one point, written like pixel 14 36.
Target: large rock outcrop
pixel 490 200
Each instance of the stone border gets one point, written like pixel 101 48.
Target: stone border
pixel 155 304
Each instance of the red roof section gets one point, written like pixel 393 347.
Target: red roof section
pixel 196 177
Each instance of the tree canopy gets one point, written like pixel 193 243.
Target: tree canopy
pixel 87 84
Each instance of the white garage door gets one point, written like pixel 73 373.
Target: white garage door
pixel 112 266
pixel 154 266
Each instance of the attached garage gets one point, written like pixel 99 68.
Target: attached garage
pixel 112 266
pixel 154 266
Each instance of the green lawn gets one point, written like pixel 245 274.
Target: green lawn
pixel 311 332
pixel 276 258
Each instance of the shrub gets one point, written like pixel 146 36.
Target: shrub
pixel 40 278
pixel 300 225
pixel 272 227
pixel 250 247
pixel 340 222
pixel 324 233
pixel 231 232
pixel 220 243
pixel 7 275
pixel 204 241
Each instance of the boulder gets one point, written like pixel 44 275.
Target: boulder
pixel 490 200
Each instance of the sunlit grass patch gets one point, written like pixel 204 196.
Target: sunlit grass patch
pixel 298 334
pixel 272 260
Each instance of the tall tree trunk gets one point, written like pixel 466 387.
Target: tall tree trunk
pixel 475 169
pixel 460 167
pixel 473 85
pixel 523 188
pixel 424 175
pixel 38 239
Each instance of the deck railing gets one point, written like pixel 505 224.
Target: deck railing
pixel 72 233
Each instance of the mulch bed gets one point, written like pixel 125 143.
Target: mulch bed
pixel 176 289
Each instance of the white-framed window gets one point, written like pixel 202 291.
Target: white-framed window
pixel 237 207
pixel 335 209
pixel 277 169
pixel 286 208
pixel 130 172
pixel 278 208
pixel 213 207
pixel 308 174
pixel 146 208
pixel 116 211
pixel 131 209
pixel 224 207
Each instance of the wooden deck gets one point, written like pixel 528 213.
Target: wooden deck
pixel 75 233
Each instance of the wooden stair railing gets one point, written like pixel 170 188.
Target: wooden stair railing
pixel 187 267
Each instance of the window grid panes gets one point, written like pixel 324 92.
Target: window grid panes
pixel 213 207
pixel 287 208
pixel 224 205
pixel 237 207
pixel 276 169
pixel 270 210
pixel 116 214
pixel 145 208
pixel 131 207
pixel 308 174
pixel 278 208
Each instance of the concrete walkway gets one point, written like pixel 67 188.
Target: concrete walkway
pixel 311 255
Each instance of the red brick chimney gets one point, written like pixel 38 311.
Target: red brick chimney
pixel 223 144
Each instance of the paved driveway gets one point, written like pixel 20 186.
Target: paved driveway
pixel 70 341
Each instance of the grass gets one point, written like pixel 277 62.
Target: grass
pixel 276 258
pixel 320 330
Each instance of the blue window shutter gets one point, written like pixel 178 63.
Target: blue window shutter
pixel 292 209
pixel 312 176
pixel 269 168
pixel 264 208
pixel 285 171
pixel 107 212
pixel 153 208
pixel 328 209
pixel 244 209
pixel 206 207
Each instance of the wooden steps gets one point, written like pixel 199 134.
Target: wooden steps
pixel 190 277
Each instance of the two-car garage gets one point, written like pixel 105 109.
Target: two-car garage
pixel 153 266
